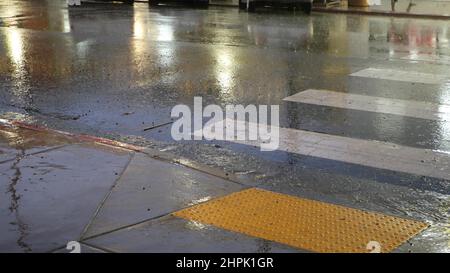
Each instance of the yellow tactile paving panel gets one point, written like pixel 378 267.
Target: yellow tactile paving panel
pixel 302 223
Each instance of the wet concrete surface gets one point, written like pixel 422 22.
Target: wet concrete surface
pixel 25 142
pixel 48 197
pixel 136 198
pixel 174 235
pixel 83 249
pixel 77 191
pixel 115 70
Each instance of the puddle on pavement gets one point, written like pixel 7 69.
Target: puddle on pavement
pixel 25 139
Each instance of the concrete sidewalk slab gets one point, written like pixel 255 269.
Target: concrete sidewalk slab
pixel 84 248
pixel 17 140
pixel 49 198
pixel 171 234
pixel 58 186
pixel 150 188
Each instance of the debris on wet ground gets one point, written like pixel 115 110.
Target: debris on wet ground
pixel 157 126
pixel 46 167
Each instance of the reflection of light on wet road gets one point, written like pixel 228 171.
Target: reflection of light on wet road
pixel 166 51
pixel 14 42
pixel 15 51
pixel 15 46
pixel 138 29
pixel 139 25
pixel 165 33
pixel 65 21
pixel 138 46
pixel 224 69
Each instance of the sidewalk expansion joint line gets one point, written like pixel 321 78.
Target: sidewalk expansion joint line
pixel 98 247
pixel 42 151
pixel 170 158
pixel 151 218
pixel 102 202
pixel 126 226
pixel 53 250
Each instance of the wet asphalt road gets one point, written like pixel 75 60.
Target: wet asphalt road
pixel 114 70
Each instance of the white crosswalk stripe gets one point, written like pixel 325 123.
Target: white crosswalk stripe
pixel 370 153
pixel 376 154
pixel 436 59
pixel 403 76
pixel 415 109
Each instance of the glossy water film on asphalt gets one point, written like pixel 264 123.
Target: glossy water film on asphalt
pixel 364 119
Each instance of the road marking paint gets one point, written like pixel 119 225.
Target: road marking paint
pixel 403 76
pixel 439 59
pixel 303 223
pixel 370 153
pixel 415 109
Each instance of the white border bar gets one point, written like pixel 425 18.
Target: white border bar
pixel 415 109
pixel 403 76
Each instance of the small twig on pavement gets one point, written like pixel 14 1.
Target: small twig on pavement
pixel 157 126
